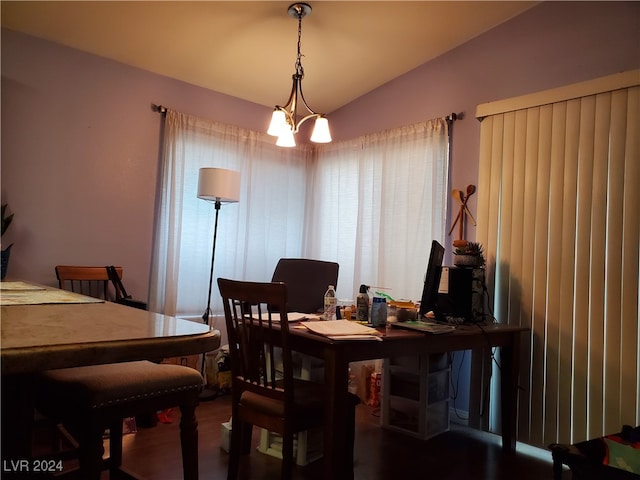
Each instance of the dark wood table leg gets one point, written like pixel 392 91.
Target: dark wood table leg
pixel 335 425
pixel 189 442
pixel 17 423
pixel 509 359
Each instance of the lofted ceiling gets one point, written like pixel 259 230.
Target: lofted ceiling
pixel 248 49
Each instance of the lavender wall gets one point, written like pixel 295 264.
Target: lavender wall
pixel 80 156
pixel 550 45
pixel 80 143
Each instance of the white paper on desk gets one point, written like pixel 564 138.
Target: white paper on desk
pixel 291 316
pixel 338 328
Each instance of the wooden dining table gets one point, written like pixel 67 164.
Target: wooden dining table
pixel 43 328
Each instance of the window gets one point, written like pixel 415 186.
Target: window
pixel 377 202
pixel 373 205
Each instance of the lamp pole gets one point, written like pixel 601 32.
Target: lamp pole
pixel 207 394
pixel 217 185
pixel 205 316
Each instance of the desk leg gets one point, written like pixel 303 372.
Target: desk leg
pixel 480 383
pixel 509 358
pixel 335 423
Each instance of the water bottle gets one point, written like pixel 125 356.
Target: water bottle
pixel 378 312
pixel 362 304
pixel 330 303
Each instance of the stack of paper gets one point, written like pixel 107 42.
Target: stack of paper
pixel 291 316
pixel 343 330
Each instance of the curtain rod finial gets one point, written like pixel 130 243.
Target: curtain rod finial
pixel 158 108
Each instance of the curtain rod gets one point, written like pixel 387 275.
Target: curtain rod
pixel 452 117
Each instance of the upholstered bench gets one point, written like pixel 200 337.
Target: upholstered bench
pixel 612 457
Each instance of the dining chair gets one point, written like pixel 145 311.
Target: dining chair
pixel 265 393
pixel 86 280
pixel 307 281
pixel 92 399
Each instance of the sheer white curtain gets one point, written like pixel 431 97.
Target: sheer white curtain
pixel 375 205
pixel 558 215
pixel 266 224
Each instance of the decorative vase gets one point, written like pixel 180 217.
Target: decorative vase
pixel 5 260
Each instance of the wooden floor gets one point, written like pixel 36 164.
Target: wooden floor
pixel 460 454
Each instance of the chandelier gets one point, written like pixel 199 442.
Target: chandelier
pixel 285 121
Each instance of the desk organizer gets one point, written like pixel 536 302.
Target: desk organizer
pixel 415 395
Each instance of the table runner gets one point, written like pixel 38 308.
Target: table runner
pixel 24 293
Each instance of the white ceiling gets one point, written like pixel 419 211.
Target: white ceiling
pixel 248 49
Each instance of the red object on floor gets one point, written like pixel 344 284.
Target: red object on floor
pixel 164 416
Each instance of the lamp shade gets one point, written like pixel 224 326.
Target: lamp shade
pixel 286 139
pixel 321 133
pixel 278 123
pixel 219 184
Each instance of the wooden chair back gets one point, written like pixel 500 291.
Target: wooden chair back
pixel 251 311
pixel 86 280
pixel 307 281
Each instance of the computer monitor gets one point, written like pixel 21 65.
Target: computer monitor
pixel 429 301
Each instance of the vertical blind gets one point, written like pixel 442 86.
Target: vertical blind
pixel 558 216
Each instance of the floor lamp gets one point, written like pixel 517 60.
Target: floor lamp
pixel 220 186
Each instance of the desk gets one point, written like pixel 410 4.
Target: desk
pixel 44 337
pixel 396 342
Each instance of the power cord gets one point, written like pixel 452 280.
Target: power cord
pixel 456 388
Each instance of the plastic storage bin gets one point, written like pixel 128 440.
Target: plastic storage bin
pixel 415 395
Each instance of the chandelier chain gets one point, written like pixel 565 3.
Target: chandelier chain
pixel 299 69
